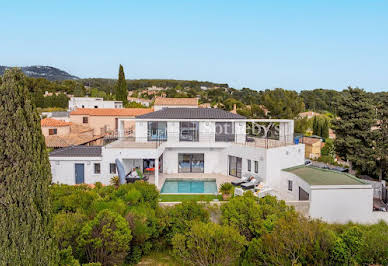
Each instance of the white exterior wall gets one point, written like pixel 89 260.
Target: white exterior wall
pixel 296 183
pixel 341 204
pixel 89 102
pixel 141 131
pixel 249 153
pixel 215 161
pixel 282 158
pixel 63 170
pixel 160 107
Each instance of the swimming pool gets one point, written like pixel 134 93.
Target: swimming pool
pixel 188 186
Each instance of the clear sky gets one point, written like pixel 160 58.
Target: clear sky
pixel 256 44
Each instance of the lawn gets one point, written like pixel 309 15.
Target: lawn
pixel 188 197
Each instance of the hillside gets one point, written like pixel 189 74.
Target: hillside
pixel 47 72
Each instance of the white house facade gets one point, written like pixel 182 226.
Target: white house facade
pixel 212 143
pixel 91 102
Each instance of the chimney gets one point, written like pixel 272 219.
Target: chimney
pixel 234 111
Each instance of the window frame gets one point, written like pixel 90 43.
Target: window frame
pixel 99 168
pixel 85 118
pixel 224 136
pixel 290 185
pixel 249 165
pixel 114 169
pixel 256 167
pixel 193 129
pixel 53 131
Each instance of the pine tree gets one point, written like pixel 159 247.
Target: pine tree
pixel 121 87
pixel 26 236
pixel 354 137
pixel 382 137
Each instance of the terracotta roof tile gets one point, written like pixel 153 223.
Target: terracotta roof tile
pixel 70 140
pixel 176 101
pixel 112 111
pixel 51 122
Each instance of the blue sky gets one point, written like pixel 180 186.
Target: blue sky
pixel 256 44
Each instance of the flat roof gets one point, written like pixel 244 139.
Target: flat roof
pixel 323 177
pixel 77 151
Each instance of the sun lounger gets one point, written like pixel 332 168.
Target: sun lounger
pixel 244 179
pixel 250 184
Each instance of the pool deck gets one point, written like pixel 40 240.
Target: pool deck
pixel 220 179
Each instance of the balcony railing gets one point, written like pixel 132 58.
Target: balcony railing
pixel 204 138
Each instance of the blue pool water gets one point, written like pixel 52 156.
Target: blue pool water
pixel 184 186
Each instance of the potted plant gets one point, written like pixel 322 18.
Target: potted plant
pixel 226 189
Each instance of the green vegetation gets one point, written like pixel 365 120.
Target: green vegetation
pixel 121 87
pixel 246 231
pixel 188 197
pixel 354 137
pixel 321 126
pixel 26 235
pixel 209 244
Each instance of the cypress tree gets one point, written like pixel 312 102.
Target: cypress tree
pixel 315 125
pixel 325 128
pixel 121 87
pixel 26 236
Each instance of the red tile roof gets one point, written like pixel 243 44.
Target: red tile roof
pixel 112 111
pixel 51 122
pixel 176 101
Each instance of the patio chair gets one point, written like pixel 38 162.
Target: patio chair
pixel 250 185
pixel 244 179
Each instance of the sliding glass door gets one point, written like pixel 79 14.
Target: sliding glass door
pixel 235 166
pixel 191 163
pixel 157 130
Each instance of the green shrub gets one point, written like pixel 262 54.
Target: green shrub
pixel 178 219
pixel 67 227
pixel 116 205
pixel 149 194
pixel 295 240
pixel 72 198
pixel 375 245
pixel 226 188
pixel 106 238
pixel 66 258
pixel 208 244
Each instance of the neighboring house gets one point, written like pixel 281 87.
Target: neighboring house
pixel 161 103
pixel 105 120
pixel 56 115
pixel 308 114
pixel 90 102
pixel 144 102
pixel 312 147
pixel 59 134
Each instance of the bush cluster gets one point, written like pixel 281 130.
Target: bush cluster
pixel 107 225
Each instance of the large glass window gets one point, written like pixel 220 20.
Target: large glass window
pixel 235 165
pixel 189 131
pixel 191 163
pixel 157 130
pixel 225 131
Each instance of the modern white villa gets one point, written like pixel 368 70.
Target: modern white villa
pixel 195 150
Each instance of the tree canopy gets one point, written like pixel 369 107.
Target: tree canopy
pixel 26 235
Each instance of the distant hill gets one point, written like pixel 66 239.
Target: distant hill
pixel 47 72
